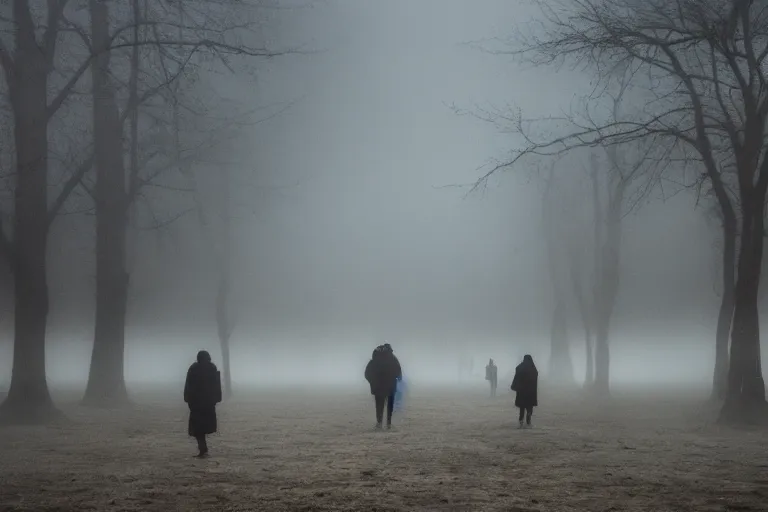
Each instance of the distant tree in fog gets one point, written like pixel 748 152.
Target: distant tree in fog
pixel 215 182
pixel 30 57
pixel 595 258
pixel 577 274
pixel 728 226
pixel 703 63
pixel 560 365
pixel 621 178
pixel 170 45
pixel 609 197
pixel 46 51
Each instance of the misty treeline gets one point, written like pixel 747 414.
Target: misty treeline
pixel 679 95
pixel 108 108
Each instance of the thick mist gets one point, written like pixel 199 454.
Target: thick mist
pixel 383 255
pixel 355 225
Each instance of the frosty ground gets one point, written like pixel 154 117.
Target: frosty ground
pixel 451 449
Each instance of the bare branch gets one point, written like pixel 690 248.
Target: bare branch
pixel 61 97
pixel 161 224
pixel 222 48
pixel 51 36
pixel 74 180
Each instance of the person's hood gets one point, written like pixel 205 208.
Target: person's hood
pixel 527 363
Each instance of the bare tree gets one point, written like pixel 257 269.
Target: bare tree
pixel 106 381
pixel 611 179
pixel 560 365
pixel 728 226
pixel 43 37
pixel 27 61
pixel 221 250
pixel 709 56
pixel 32 62
pixel 225 322
pixel 576 269
pixel 217 212
pixel 118 178
pixel 178 39
pixel 608 220
pixel 617 189
pixel 585 256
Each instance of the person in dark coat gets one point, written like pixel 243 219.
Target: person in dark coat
pixel 382 373
pixel 526 385
pixel 492 376
pixel 202 391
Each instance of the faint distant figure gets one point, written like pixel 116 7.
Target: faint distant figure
pixel 382 373
pixel 492 376
pixel 401 391
pixel 526 385
pixel 202 391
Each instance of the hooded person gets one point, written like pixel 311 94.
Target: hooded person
pixel 382 373
pixel 526 385
pixel 202 391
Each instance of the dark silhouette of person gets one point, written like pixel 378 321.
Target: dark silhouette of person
pixel 382 373
pixel 202 391
pixel 526 385
pixel 492 376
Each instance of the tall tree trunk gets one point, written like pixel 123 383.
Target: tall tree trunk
pixel 608 286
pixel 106 379
pixel 28 399
pixel 560 365
pixel 589 373
pixel 725 315
pixel 745 396
pixel 224 321
pixel 224 331
pixel 585 313
pixel 598 236
pixel 602 383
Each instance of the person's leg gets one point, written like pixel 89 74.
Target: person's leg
pixel 379 409
pixel 390 408
pixel 202 445
pixel 521 416
pixel 529 413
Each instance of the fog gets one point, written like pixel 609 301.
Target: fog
pixel 353 232
pixel 299 186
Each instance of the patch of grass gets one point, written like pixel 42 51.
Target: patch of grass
pixel 286 451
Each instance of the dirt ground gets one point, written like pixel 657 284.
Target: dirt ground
pixel 450 450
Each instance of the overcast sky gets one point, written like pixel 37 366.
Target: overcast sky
pixel 369 239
